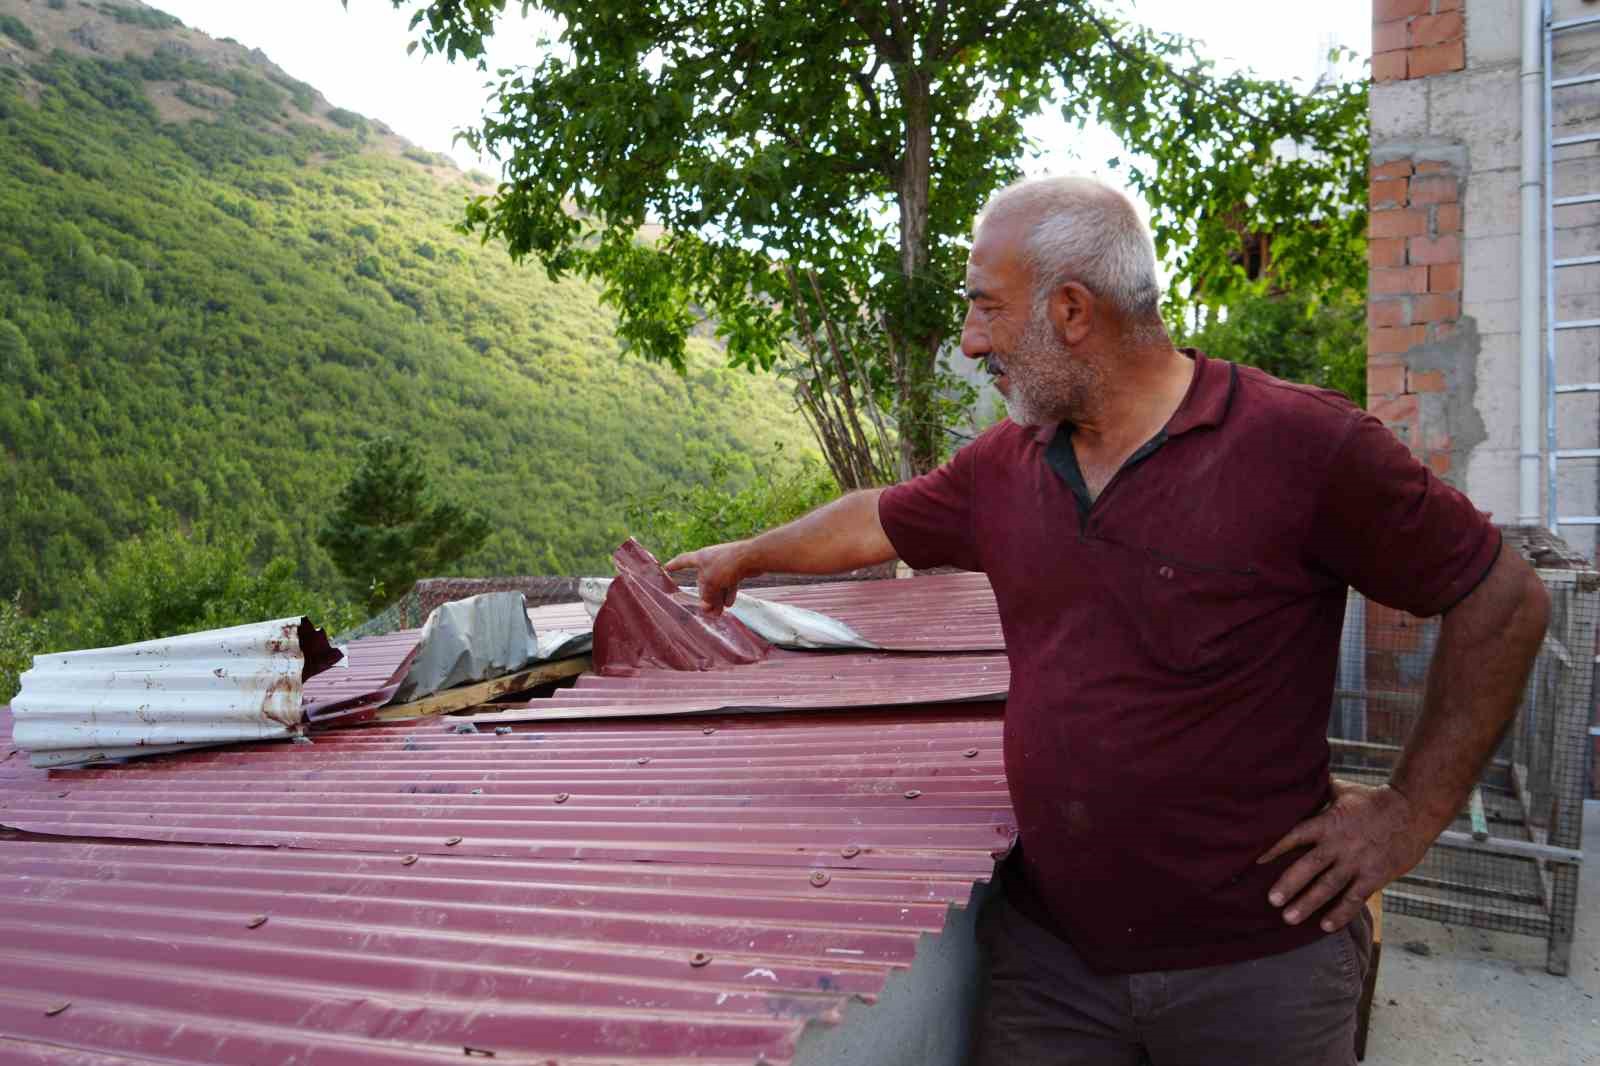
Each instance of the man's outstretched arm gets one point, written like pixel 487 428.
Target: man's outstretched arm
pixel 842 535
pixel 1367 837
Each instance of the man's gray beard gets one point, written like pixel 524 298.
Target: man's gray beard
pixel 1055 386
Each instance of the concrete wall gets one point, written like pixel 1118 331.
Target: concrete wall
pixel 1443 312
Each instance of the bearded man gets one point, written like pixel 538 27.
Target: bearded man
pixel 1171 538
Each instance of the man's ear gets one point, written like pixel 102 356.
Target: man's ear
pixel 1072 311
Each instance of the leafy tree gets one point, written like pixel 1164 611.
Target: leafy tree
pixel 856 144
pixel 170 580
pixel 387 528
pixel 1294 337
pixel 677 518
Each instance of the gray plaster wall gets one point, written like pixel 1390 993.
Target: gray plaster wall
pixel 925 1016
pixel 1473 118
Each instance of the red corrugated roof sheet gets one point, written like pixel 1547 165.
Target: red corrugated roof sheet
pixel 434 892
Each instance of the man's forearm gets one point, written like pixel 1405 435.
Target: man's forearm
pixel 1486 647
pixel 842 535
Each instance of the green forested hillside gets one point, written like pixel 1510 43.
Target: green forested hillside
pixel 213 287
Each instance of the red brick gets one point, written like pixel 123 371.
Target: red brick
pixel 1397 281
pixel 1445 277
pixel 1384 10
pixel 1431 251
pixel 1433 166
pixel 1436 59
pixel 1386 380
pixel 1439 463
pixel 1387 252
pixel 1447 5
pixel 1392 409
pixel 1389 312
pixel 1425 381
pixel 1398 168
pixel 1435 189
pixel 1447 218
pixel 1389 36
pixel 1386 340
pixel 1436 307
pixel 1390 66
pixel 1433 29
pixel 1387 192
pixel 1404 222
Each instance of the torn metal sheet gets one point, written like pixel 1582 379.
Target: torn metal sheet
pixel 787 680
pixel 647 622
pixel 782 624
pixel 215 687
pixel 747 879
pixel 478 639
pixel 372 670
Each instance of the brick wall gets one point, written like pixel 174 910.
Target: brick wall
pixel 1416 38
pixel 1414 253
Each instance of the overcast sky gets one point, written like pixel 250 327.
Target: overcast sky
pixel 357 57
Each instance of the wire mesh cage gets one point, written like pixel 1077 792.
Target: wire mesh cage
pixel 1510 861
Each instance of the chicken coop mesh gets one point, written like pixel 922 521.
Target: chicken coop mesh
pixel 1510 861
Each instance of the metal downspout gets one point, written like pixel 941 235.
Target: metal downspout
pixel 1533 405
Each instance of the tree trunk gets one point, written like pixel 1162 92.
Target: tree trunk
pixel 915 348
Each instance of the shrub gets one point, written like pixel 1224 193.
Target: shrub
pixel 726 506
pixel 15 29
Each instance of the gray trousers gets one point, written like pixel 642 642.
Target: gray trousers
pixel 1044 1007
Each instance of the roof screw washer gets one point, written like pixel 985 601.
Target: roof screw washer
pixel 970 753
pixel 452 842
pixel 820 877
pixel 408 860
pixel 642 760
pixel 699 958
pixel 257 922
pixel 562 797
pixel 849 851
pixel 913 793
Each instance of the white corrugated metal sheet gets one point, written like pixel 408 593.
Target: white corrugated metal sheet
pixel 216 687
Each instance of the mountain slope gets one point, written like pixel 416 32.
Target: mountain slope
pixel 213 287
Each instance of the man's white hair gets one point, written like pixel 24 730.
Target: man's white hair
pixel 1083 230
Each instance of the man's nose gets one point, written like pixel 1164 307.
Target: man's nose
pixel 974 336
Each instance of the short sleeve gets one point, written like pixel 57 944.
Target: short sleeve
pixel 929 518
pixel 1393 531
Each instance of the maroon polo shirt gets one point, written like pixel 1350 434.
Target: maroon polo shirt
pixel 1173 645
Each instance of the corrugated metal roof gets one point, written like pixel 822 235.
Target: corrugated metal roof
pixel 785 680
pixel 591 892
pixel 218 686
pixel 371 672
pixel 940 612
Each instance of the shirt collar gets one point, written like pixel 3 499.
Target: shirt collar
pixel 1209 397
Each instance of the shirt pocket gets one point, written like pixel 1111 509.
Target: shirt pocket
pixel 1190 612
